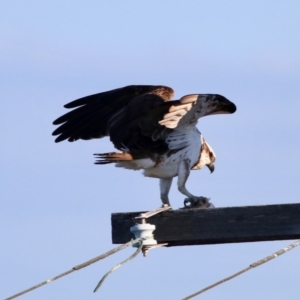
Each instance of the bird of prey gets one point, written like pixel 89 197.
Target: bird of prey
pixel 151 131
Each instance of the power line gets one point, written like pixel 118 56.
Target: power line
pixel 139 241
pixel 256 264
pixel 85 264
pixel 118 266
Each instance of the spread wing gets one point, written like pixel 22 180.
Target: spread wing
pixel 137 118
pixel 92 114
pixel 186 111
pixel 183 113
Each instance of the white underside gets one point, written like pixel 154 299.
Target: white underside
pixel 168 166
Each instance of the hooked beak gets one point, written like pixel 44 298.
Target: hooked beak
pixel 211 167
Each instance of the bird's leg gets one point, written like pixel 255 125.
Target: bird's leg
pixel 165 185
pixel 183 174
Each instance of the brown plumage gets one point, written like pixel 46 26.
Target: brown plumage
pixel 151 131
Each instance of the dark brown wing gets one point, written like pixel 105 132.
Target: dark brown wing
pixel 136 127
pixel 93 113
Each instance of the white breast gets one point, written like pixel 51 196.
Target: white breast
pixel 189 143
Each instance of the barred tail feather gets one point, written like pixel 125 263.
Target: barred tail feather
pixel 112 157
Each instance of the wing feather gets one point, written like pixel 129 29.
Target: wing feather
pixel 138 119
pixel 92 114
pixel 187 110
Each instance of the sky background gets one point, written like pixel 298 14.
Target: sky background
pixel 56 204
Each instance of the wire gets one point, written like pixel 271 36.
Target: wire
pixel 256 264
pixel 83 265
pixel 139 240
pixel 118 266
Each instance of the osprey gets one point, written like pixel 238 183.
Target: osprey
pixel 151 131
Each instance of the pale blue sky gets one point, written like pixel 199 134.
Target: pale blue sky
pixel 56 204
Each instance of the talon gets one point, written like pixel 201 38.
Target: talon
pixel 200 202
